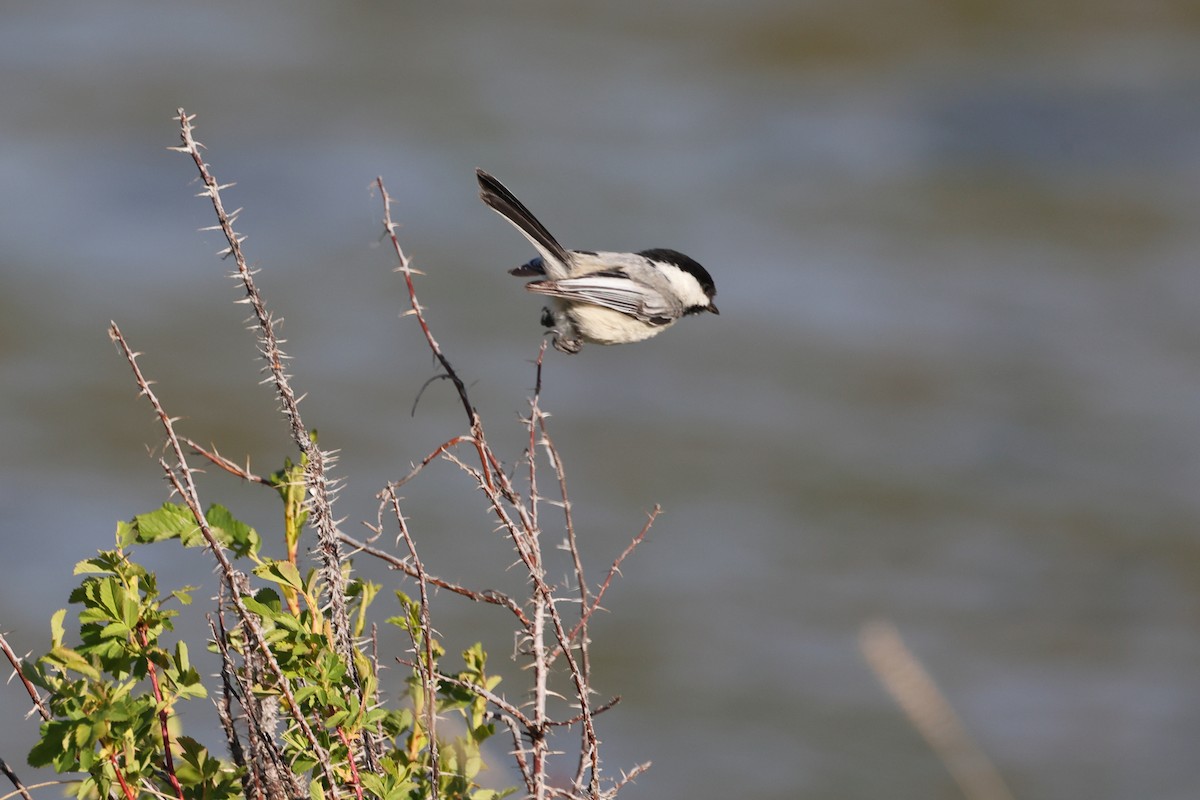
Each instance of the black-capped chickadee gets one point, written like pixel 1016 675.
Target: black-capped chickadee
pixel 605 298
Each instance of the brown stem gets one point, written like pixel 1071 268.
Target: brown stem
pixel 168 759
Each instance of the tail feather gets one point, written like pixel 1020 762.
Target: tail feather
pixel 505 203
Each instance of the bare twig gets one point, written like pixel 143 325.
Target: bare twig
pixel 14 780
pixel 487 694
pixel 422 644
pixel 627 777
pixel 531 453
pixel 225 703
pixel 615 569
pixel 417 310
pixel 518 751
pixel 126 789
pixel 485 596
pixel 13 659
pixel 268 775
pixel 224 463
pixel 596 711
pixel 355 777
pixel 537 424
pixel 582 689
pixel 440 450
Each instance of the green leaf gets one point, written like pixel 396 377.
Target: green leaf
pixel 305 692
pixel 281 572
pixel 260 608
pixel 233 533
pixel 126 534
pixel 72 660
pixel 55 735
pixel 170 521
pixel 56 627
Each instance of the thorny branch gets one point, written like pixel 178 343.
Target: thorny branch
pixel 38 703
pixel 543 624
pixel 179 475
pixel 321 488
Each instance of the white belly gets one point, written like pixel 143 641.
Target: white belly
pixel 605 326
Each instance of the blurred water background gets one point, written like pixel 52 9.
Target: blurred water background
pixel 955 382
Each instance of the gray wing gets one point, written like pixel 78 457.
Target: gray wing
pixel 611 290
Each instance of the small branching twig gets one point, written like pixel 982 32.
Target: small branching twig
pixel 417 310
pixel 224 463
pixel 627 777
pixel 613 571
pixel 225 703
pixel 485 596
pixel 422 642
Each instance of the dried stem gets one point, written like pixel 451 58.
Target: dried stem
pixel 422 644
pixel 930 713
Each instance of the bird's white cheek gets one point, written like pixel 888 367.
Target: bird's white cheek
pixel 605 326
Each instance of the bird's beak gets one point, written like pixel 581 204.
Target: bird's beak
pixel 713 309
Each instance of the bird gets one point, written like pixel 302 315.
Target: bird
pixel 602 297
